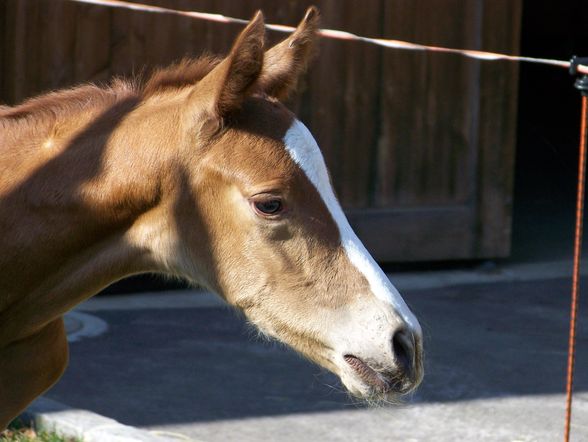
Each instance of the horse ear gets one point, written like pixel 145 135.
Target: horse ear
pixel 227 85
pixel 286 62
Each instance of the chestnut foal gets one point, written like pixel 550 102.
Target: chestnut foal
pixel 200 173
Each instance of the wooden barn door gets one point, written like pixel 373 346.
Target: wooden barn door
pixel 420 145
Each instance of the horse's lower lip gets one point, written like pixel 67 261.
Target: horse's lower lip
pixel 367 374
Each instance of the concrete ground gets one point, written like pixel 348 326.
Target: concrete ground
pixel 187 368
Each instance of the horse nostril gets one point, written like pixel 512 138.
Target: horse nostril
pixel 403 347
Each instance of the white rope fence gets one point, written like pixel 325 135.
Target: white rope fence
pixel 337 34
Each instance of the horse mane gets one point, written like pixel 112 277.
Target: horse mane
pixel 66 102
pixel 184 73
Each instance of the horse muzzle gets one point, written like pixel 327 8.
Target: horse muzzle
pixel 385 374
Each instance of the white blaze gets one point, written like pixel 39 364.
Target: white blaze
pixel 305 152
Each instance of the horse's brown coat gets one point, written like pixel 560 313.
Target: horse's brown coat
pixel 101 183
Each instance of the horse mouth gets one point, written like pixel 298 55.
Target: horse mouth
pixel 368 375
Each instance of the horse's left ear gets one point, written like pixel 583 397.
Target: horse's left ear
pixel 286 62
pixel 224 89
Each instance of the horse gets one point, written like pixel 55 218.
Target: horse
pixel 199 172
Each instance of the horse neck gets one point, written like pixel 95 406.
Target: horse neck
pixel 81 216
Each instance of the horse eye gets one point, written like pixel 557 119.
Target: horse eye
pixel 268 207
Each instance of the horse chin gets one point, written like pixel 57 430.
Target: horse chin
pixel 372 395
pixel 371 386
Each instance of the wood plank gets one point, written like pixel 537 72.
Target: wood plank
pixel 121 35
pixel 427 144
pixel 92 43
pixel 497 136
pixel 415 234
pixel 54 42
pixel 3 44
pixel 18 16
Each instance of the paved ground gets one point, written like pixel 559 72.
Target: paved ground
pixel 496 355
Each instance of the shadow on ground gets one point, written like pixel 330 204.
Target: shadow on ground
pixel 205 364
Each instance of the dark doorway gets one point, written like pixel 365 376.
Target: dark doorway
pixel 547 145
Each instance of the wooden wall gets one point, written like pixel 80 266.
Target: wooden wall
pixel 420 145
